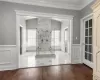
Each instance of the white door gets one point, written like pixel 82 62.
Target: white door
pixel 88 53
pixel 96 45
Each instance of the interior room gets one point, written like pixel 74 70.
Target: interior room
pixel 53 38
pixel 49 40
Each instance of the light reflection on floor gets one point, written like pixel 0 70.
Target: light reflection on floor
pixel 29 60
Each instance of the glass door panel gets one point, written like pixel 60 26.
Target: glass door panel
pixel 88 40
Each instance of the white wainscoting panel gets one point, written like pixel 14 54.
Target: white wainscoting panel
pixel 8 57
pixel 5 57
pixel 76 54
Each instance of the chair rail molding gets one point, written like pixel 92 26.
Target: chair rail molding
pixel 8 59
pixel 7 45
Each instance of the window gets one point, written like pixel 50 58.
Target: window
pixel 31 37
pixel 88 40
pixel 55 38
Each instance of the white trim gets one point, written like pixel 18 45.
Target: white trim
pixel 39 14
pixel 76 44
pixel 7 45
pixel 17 39
pixel 87 16
pixel 71 30
pixel 71 38
pixel 5 63
pixel 82 40
pixel 88 63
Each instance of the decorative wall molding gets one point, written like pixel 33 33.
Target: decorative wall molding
pixel 96 6
pixel 8 57
pixel 6 54
pixel 42 14
pixel 97 61
pixel 76 54
pixel 95 77
pixel 82 40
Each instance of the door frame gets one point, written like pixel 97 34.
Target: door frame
pixel 64 39
pixel 21 39
pixel 82 39
pixel 40 14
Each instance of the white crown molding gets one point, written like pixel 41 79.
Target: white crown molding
pixel 50 4
pixel 40 14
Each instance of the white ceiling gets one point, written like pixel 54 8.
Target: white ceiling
pixel 65 4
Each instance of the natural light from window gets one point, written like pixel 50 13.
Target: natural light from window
pixel 31 37
pixel 55 38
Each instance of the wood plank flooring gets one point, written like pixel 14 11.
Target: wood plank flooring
pixel 60 72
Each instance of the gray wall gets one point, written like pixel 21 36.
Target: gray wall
pixel 8 20
pixel 87 10
pixel 32 24
pixel 55 25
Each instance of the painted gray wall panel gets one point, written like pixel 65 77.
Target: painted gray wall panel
pixel 55 25
pixel 8 20
pixel 7 26
pixel 76 30
pixel 31 23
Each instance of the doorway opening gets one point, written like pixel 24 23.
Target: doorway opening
pixel 42 39
pixel 21 40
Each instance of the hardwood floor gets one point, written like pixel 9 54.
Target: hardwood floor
pixel 61 72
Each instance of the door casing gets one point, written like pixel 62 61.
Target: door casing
pixel 82 39
pixel 49 15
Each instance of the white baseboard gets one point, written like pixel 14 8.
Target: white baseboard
pixel 88 63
